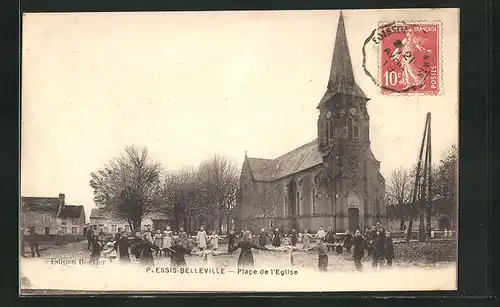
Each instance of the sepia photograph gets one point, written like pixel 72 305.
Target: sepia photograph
pixel 239 151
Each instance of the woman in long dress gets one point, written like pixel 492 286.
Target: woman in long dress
pixel 214 240
pixel 158 241
pixel 146 248
pixel 245 259
pixel 167 240
pixel 306 239
pixel 202 238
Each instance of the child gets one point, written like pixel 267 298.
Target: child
pixel 348 241
pixel 293 237
pixel 306 240
pixel 109 250
pixel 177 252
pixel 231 237
pixel 359 250
pixel 389 248
pixel 322 249
pixel 263 237
pixel 158 241
pixel 214 240
pixel 167 241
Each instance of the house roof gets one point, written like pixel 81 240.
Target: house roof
pixel 299 159
pixel 96 213
pixel 47 204
pixel 70 211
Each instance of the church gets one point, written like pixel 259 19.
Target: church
pixel 332 181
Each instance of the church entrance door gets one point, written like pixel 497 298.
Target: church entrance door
pixel 353 219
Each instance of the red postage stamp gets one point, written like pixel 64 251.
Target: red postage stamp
pixel 409 59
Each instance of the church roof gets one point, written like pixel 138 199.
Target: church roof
pixel 299 159
pixel 341 79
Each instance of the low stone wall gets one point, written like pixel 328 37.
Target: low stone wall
pixel 435 250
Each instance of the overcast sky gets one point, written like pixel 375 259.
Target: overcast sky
pixel 192 84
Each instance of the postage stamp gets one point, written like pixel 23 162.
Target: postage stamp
pixel 409 57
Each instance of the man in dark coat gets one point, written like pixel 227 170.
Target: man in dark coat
pixel 122 246
pixel 90 236
pixel 348 241
pixel 379 247
pixel 33 242
pixel 276 238
pixel 359 250
pixel 389 248
pixel 263 237
pixel 293 237
pixel 231 237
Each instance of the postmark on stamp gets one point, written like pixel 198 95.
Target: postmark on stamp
pixel 409 57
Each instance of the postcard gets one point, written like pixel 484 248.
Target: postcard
pixel 239 151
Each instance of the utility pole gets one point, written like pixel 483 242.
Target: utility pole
pixel 422 186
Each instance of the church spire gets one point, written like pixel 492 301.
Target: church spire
pixel 341 79
pixel 341 69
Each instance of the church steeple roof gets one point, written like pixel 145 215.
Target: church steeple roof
pixel 341 79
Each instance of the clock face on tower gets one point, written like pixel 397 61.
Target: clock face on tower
pixel 329 114
pixel 352 111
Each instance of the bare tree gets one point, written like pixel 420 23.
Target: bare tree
pixel 128 187
pixel 399 191
pixel 219 180
pixel 183 198
pixel 263 201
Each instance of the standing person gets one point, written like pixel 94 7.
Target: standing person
pixel 149 234
pixel 90 235
pixel 359 250
pixel 122 246
pixel 306 240
pixel 348 241
pixel 263 237
pixel 109 249
pixel 177 252
pixel 231 237
pixel 135 249
pixel 95 250
pixel 167 241
pixel 158 241
pixel 322 249
pixel 214 240
pixel 276 241
pixel 146 248
pixel 320 234
pixel 183 237
pixel 33 242
pixel 379 247
pixel 24 238
pixel 370 240
pixel 202 238
pixel 389 248
pixel 330 239
pixel 245 259
pixel 293 237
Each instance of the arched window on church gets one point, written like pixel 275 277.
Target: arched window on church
pixel 331 131
pixel 356 129
pixel 327 131
pixel 313 201
pixel 349 128
pixel 298 204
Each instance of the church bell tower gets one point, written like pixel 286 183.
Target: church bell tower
pixel 343 122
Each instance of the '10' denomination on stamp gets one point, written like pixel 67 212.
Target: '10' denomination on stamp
pixel 409 57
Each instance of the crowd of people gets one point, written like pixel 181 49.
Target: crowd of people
pixel 147 245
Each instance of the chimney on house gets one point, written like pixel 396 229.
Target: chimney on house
pixel 61 202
